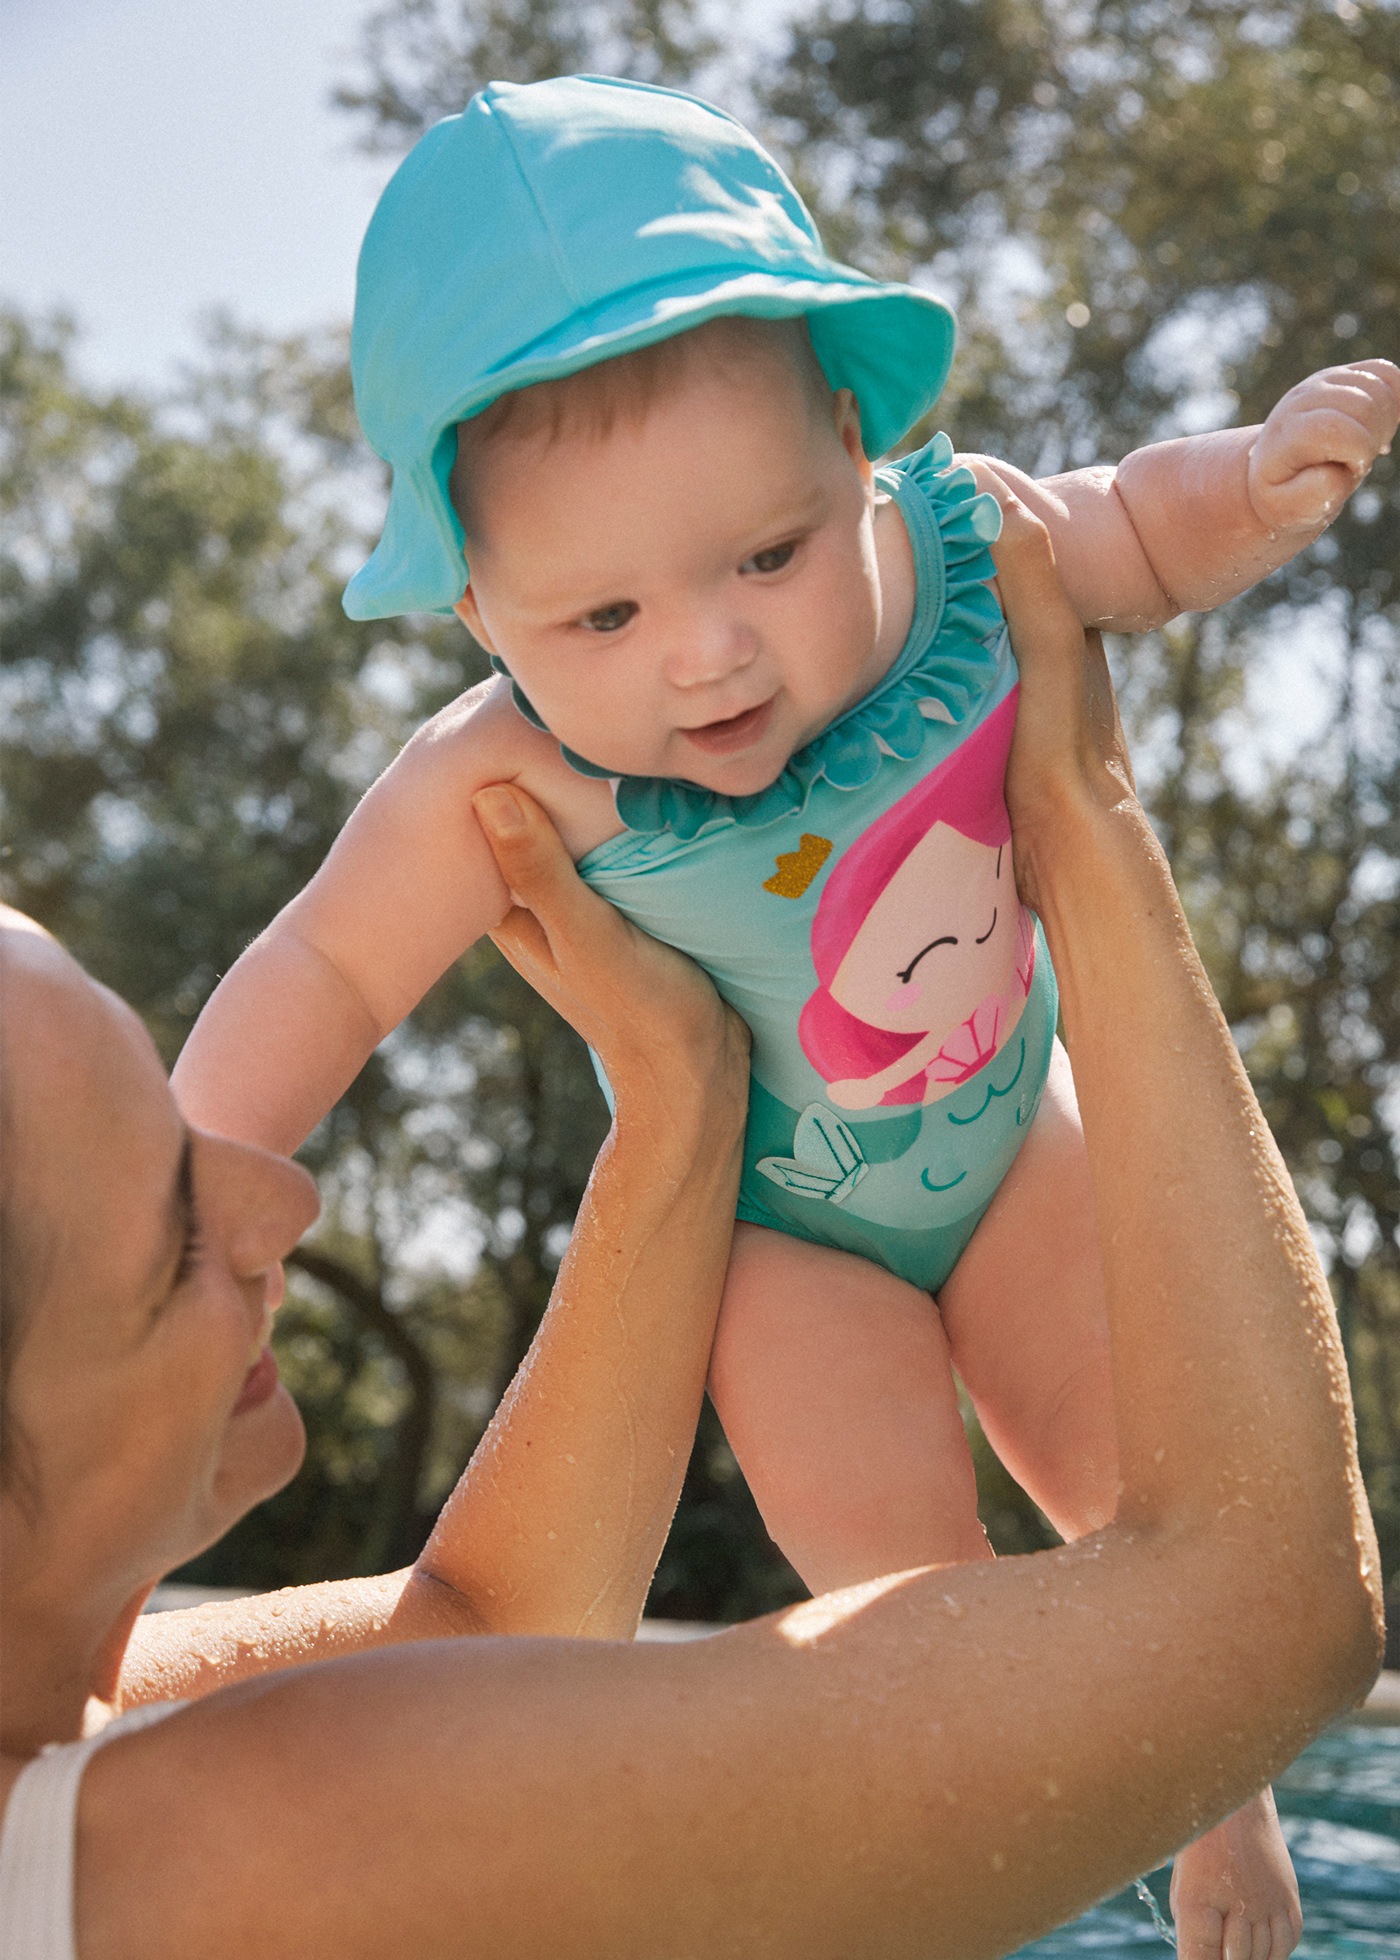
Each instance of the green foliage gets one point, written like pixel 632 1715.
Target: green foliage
pixel 189 718
pixel 423 59
pixel 1211 189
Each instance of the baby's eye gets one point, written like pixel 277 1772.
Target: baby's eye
pixel 772 559
pixel 610 619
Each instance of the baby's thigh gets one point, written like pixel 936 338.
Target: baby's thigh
pixel 833 1382
pixel 1027 1323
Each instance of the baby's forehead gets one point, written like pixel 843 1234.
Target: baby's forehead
pixel 730 377
pixel 597 398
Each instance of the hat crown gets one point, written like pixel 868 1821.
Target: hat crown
pixel 552 197
pixel 556 224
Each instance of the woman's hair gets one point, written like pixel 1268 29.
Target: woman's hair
pixel 967 792
pixel 624 389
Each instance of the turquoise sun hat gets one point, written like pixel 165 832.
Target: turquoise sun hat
pixel 557 224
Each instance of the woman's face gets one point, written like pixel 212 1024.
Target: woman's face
pixel 146 1408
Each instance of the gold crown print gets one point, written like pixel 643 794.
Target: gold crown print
pixel 796 869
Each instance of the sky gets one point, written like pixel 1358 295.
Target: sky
pixel 160 158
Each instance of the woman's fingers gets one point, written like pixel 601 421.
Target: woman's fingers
pixel 1068 742
pixel 555 921
pixel 531 858
pixel 631 998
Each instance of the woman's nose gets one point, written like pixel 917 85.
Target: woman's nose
pixel 260 1203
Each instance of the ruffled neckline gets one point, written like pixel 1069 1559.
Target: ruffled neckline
pixel 940 674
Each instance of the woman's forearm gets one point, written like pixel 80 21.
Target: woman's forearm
pixel 1225 1326
pixel 557 1524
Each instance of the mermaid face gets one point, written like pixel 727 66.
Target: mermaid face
pixel 940 938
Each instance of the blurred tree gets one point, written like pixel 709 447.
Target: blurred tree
pixel 1157 216
pixel 422 59
pixel 1153 215
pixel 189 717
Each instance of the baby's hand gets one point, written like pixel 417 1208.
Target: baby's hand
pixel 1234 1895
pixel 1320 441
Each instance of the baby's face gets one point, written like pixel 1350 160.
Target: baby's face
pixel 693 594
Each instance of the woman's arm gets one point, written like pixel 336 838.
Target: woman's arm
pixel 938 1763
pixel 560 1517
pixel 1182 526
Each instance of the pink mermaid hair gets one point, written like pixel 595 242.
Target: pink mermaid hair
pixel 967 792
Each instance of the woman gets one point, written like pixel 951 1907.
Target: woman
pixel 940 1762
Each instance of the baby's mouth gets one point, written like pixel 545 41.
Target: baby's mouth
pixel 725 737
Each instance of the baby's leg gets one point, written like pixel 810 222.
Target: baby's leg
pixel 832 1380
pixel 1027 1326
pixel 1027 1322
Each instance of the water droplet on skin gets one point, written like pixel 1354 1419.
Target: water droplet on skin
pixel 998 1862
pixel 952 1607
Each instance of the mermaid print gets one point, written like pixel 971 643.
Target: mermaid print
pixel 922 949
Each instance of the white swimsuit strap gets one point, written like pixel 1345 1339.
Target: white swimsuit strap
pixel 36 1841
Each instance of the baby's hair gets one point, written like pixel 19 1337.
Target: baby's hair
pixel 625 389
pixel 966 791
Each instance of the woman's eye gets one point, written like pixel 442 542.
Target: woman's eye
pixel 610 619
pixel 773 559
pixel 190 1249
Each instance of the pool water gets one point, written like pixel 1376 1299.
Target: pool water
pixel 1340 1808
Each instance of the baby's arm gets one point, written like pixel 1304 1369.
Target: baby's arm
pixel 1183 526
pixel 407 887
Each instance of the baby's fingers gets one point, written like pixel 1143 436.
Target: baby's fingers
pixel 1364 392
pixel 1321 440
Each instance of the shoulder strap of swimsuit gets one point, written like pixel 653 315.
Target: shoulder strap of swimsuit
pixel 36 1841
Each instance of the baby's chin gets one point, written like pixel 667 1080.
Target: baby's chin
pixel 683 762
pixel 740 757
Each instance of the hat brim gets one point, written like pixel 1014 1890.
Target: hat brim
pixel 891 345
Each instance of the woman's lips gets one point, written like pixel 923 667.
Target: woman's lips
pixel 258 1383
pixel 724 737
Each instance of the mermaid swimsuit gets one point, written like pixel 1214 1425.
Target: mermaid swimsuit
pixel 739 883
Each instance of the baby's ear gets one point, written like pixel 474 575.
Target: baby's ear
pixel 845 411
pixel 469 613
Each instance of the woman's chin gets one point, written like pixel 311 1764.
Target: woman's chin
pixel 263 1449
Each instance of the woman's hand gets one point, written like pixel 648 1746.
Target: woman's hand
pixel 650 1014
pixel 1068 751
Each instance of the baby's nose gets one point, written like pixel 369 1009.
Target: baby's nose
pixel 706 651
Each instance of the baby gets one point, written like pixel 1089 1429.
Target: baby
pixel 764 690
